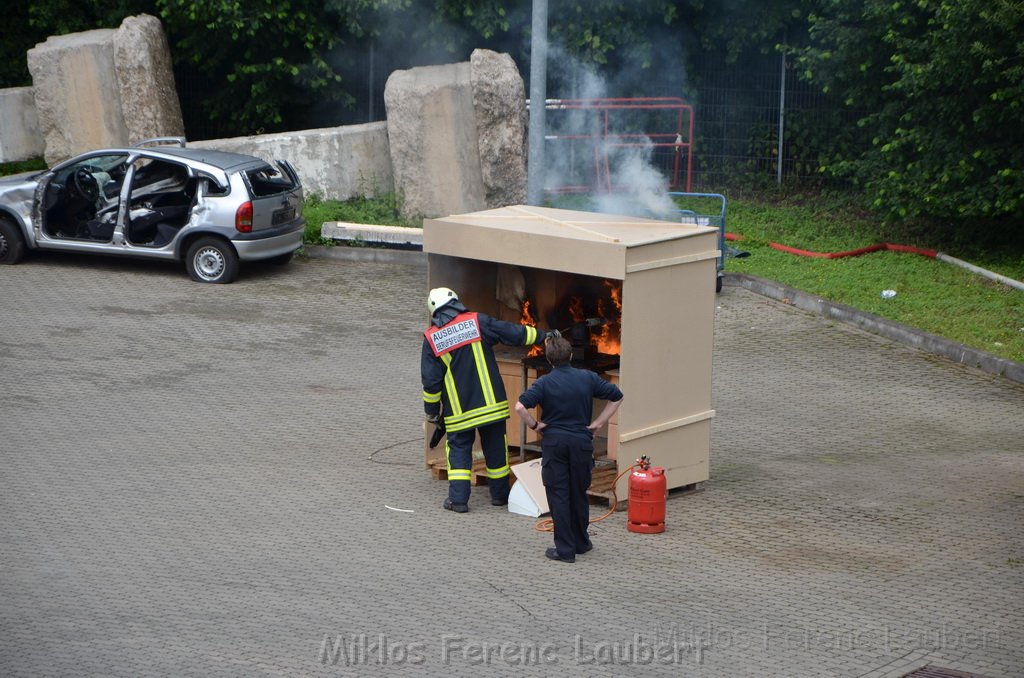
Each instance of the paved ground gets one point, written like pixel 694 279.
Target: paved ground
pixel 186 489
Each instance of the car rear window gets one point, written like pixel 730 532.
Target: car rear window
pixel 268 180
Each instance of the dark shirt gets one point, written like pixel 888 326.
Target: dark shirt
pixel 566 397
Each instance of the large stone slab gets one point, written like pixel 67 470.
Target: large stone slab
pixel 142 59
pixel 499 103
pixel 458 135
pixel 77 93
pixel 339 163
pixel 106 87
pixel 433 140
pixel 19 126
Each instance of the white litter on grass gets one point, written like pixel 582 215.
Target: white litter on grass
pixel 398 509
pixel 888 294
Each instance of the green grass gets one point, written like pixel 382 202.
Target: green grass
pixel 32 165
pixel 931 295
pixel 383 211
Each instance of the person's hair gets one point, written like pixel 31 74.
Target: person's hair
pixel 557 350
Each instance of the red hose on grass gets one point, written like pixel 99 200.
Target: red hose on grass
pixel 931 254
pixel 850 253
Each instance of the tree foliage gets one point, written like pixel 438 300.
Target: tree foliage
pixel 262 65
pixel 940 84
pixel 26 24
pixel 937 85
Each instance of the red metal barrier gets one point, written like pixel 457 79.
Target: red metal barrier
pixel 664 123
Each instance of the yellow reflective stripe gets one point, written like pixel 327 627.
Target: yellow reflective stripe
pixel 498 472
pixel 502 471
pixel 431 397
pixel 531 335
pixel 449 385
pixel 485 418
pixel 454 473
pixel 499 409
pixel 481 372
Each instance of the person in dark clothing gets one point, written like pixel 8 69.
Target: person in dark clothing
pixel 566 396
pixel 463 391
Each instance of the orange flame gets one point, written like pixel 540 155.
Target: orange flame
pixel 609 338
pixel 576 310
pixel 526 318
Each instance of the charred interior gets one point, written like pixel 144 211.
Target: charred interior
pixel 586 310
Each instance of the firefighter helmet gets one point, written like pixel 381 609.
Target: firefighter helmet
pixel 440 297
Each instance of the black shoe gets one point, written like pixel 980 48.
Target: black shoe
pixel 458 508
pixel 552 553
pixel 499 502
pixel 580 552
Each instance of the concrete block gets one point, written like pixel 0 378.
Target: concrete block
pixel 398 237
pixel 499 103
pixel 142 59
pixel 106 87
pixel 20 138
pixel 77 93
pixel 433 140
pixel 338 163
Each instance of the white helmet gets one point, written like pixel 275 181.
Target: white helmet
pixel 440 297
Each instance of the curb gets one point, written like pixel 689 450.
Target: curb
pixel 376 255
pixel 889 329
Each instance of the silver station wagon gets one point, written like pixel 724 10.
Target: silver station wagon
pixel 210 209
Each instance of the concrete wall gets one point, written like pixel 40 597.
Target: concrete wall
pixel 339 163
pixel 20 138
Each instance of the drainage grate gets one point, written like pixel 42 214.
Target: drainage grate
pixel 939 672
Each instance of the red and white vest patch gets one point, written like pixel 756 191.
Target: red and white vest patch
pixel 464 329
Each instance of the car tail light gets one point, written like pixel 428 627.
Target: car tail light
pixel 243 218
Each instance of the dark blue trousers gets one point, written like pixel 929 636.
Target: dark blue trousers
pixel 460 461
pixel 566 467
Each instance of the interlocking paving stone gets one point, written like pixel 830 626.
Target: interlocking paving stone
pixel 186 489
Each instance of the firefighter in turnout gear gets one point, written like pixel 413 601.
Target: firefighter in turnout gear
pixel 463 391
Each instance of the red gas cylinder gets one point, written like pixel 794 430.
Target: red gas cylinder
pixel 648 490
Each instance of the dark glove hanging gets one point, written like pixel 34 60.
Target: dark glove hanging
pixel 438 432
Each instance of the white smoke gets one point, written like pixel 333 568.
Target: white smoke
pixel 619 167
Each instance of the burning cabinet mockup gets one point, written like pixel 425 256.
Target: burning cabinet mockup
pixel 636 297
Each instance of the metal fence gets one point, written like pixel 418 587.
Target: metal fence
pixel 758 125
pixel 755 124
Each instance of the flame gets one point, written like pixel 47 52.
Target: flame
pixel 604 338
pixel 615 293
pixel 526 318
pixel 609 338
pixel 576 310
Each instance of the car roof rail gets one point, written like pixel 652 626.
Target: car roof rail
pixel 177 141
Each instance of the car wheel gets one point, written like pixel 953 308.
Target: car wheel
pixel 12 244
pixel 281 259
pixel 212 260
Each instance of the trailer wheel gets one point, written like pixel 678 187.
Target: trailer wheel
pixel 12 243
pixel 718 284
